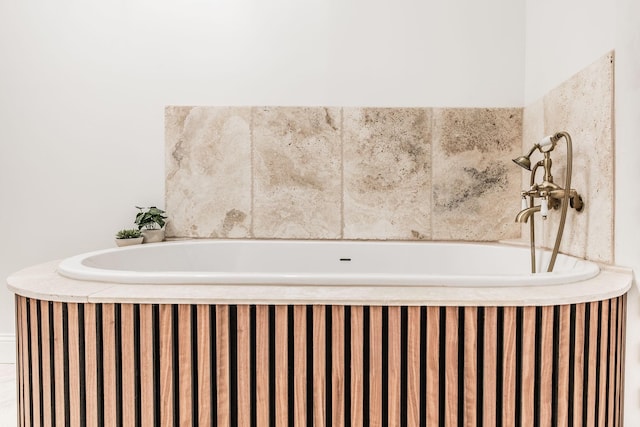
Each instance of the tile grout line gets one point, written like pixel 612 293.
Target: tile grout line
pixel 342 173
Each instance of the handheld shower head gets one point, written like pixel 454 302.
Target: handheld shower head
pixel 525 161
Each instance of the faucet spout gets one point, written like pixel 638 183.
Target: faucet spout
pixel 525 214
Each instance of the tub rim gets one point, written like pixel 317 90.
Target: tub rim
pixel 42 282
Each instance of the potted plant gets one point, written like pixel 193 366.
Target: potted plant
pixel 128 237
pixel 150 222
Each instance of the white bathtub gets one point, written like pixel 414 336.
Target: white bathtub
pixel 281 262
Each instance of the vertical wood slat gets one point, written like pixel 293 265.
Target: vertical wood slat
pixel 90 363
pixel 319 364
pixel 509 367
pixel 21 356
pixel 146 365
pixel 357 374
pixel 300 365
pixel 47 402
pixel 591 389
pixel 564 365
pixel 394 362
pixel 109 364
pixel 612 362
pixel 204 367
pixel 166 366
pixel 337 366
pixel 433 364
pixel 470 365
pixel 184 359
pixel 490 366
pixel 451 370
pixel 58 363
pixel 528 362
pixel 222 365
pixel 413 366
pixel 262 365
pixel 578 366
pixel 604 339
pixel 282 396
pixel 244 365
pixel 74 365
pixel 375 366
pixel 128 365
pixel 35 357
pixel 546 366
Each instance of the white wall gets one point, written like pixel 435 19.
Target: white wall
pixel 562 38
pixel 83 85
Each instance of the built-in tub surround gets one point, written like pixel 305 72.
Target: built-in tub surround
pixel 109 353
pixel 582 106
pixel 342 173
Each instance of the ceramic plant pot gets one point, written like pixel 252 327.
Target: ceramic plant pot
pixel 153 236
pixel 129 242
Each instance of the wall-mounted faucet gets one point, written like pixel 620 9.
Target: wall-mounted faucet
pixel 551 195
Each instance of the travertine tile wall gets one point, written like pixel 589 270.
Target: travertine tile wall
pixel 342 173
pixel 582 106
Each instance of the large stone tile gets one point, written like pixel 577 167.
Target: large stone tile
pixel 208 171
pixel 387 173
pixel 476 186
pixel 297 172
pixel 583 106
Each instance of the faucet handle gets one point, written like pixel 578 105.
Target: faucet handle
pixel 544 208
pixel 524 204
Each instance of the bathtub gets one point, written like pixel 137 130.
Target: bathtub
pixel 265 262
pixel 330 333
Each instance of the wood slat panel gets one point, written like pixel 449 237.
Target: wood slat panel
pixel 509 367
pixel 451 371
pixel 146 364
pixel 413 366
pixel 74 365
pixel 433 364
pixel 58 352
pixel 204 365
pixel 222 365
pixel 128 365
pixel 90 363
pixel 610 349
pixel 282 396
pixel 490 365
pixel 262 365
pixel 319 365
pixel 337 366
pixel 184 360
pixel 375 366
pixel 166 366
pixel 470 365
pixel 357 374
pixel 244 365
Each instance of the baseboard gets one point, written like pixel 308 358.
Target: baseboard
pixel 7 348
